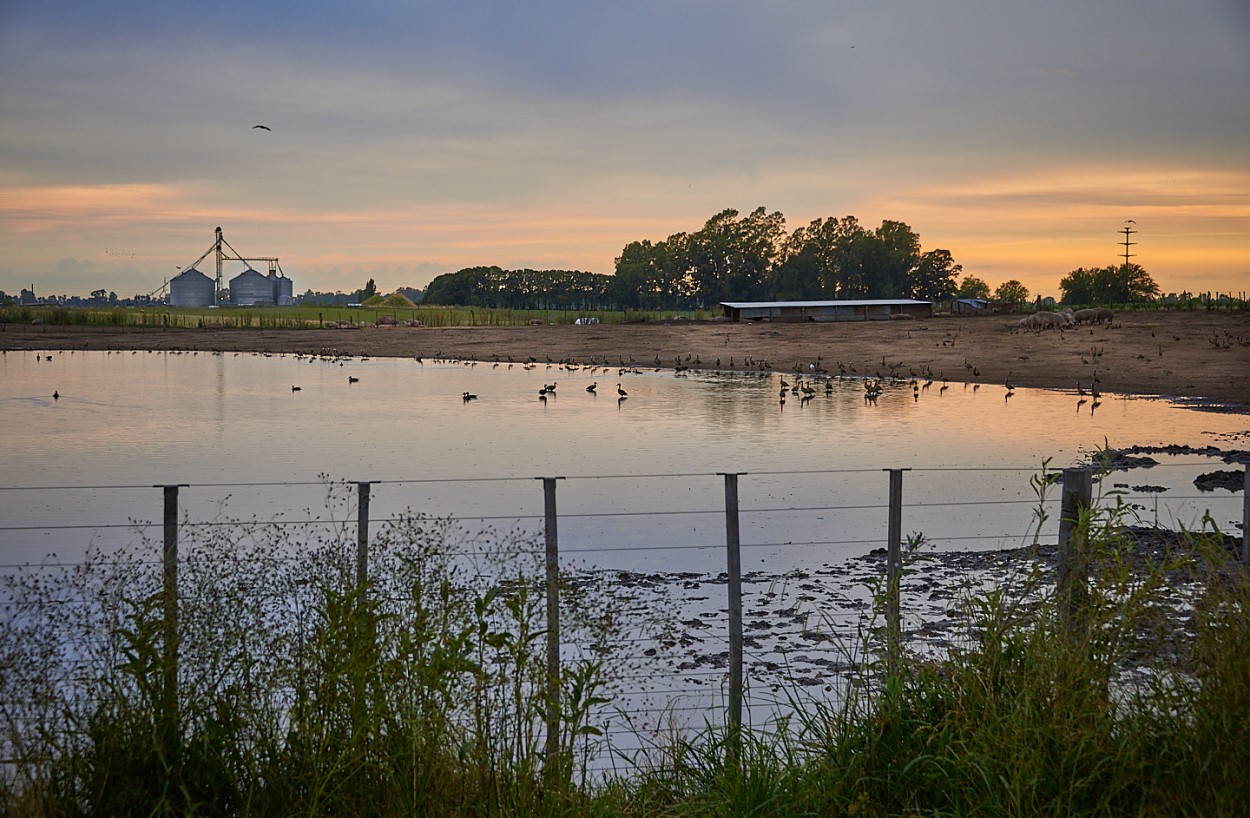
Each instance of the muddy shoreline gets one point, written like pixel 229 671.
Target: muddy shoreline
pixel 1200 359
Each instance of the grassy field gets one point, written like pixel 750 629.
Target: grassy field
pixel 300 693
pixel 312 317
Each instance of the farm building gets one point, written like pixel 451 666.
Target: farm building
pixel 972 306
pixel 873 309
pixel 982 306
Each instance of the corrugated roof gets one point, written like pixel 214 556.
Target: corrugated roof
pixel 868 302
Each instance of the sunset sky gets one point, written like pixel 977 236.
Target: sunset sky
pixel 415 138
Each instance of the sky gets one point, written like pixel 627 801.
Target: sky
pixel 409 139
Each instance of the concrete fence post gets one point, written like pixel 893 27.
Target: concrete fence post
pixel 894 573
pixel 1072 568
pixel 733 564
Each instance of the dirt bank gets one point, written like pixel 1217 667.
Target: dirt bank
pixel 1199 355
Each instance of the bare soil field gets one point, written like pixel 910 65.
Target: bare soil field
pixel 1204 356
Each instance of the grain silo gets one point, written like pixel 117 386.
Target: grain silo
pixel 191 288
pixel 283 290
pixel 251 288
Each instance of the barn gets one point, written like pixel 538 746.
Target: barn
pixel 872 309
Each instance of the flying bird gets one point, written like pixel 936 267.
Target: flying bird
pixel 262 127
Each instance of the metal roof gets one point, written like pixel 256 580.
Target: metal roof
pixel 868 302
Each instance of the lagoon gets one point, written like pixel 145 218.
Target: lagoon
pixel 640 474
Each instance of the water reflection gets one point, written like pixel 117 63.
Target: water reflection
pixel 813 468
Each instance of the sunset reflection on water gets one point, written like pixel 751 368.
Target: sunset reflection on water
pixel 215 422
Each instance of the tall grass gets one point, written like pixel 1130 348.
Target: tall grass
pixel 300 692
pixel 301 317
pixel 1141 708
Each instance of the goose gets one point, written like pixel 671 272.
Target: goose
pixel 621 391
pixel 592 387
pixel 295 389
pixel 468 397
pixel 351 379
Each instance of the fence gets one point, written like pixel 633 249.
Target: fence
pixel 1071 576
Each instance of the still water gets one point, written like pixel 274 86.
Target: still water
pixel 641 487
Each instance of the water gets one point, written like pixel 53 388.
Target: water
pixel 640 474
pixel 641 491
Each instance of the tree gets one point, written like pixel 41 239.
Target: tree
pixel 99 295
pixel 1108 285
pixel 900 253
pixel 972 287
pixel 1011 290
pixel 933 279
pixel 370 290
pixel 732 258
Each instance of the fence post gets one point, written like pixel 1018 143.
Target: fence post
pixel 1072 568
pixel 1245 520
pixel 734 569
pixel 169 647
pixel 894 572
pixel 362 536
pixel 552 748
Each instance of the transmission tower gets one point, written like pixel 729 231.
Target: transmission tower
pixel 1128 234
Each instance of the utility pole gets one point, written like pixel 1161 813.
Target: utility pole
pixel 1128 233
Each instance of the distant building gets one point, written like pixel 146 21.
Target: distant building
pixel 972 306
pixel 873 309
pixel 252 288
pixel 191 288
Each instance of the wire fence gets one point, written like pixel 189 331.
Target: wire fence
pixel 658 598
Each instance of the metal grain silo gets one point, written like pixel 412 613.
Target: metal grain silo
pixel 251 289
pixel 191 288
pixel 283 291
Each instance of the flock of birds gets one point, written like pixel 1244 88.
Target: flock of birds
pixel 808 381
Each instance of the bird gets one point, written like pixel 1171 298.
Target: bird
pixel 621 391
pixel 261 127
pixel 351 379
pixel 56 396
pixel 468 396
pixel 294 388
pixel 592 387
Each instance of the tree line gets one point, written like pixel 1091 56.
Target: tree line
pixel 731 258
pixel 753 258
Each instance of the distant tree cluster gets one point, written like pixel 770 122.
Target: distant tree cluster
pixel 519 289
pixel 732 258
pixel 341 299
pixel 1108 285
